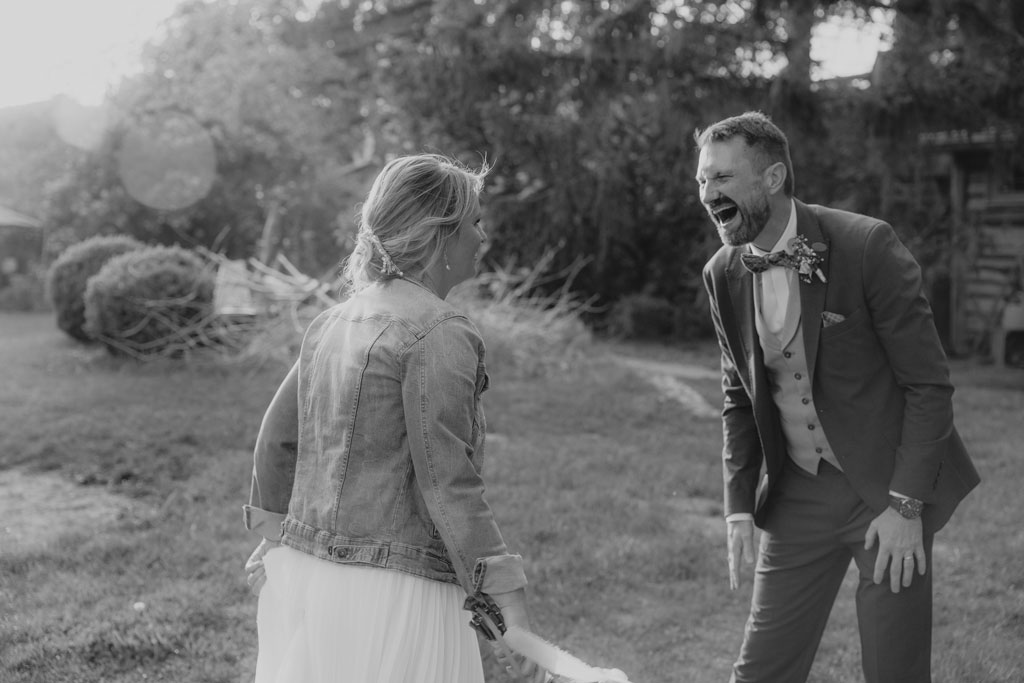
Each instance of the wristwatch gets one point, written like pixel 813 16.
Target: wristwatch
pixel 907 507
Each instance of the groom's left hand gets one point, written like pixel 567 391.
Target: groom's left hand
pixel 900 547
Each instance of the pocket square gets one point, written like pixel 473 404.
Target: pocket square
pixel 828 319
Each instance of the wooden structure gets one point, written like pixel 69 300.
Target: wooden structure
pixel 986 198
pixel 21 243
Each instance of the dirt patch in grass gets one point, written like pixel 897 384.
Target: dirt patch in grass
pixel 37 507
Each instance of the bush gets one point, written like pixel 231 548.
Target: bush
pixel 68 276
pixel 156 300
pixel 644 317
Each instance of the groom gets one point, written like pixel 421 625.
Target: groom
pixel 838 423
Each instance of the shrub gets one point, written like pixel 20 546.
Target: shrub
pixel 68 276
pixel 642 316
pixel 156 300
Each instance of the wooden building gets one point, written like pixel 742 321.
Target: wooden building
pixel 21 242
pixel 985 177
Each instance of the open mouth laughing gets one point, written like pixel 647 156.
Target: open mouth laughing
pixel 723 212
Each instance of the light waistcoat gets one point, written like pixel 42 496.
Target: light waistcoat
pixel 785 360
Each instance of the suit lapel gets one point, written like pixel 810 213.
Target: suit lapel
pixel 741 292
pixel 812 296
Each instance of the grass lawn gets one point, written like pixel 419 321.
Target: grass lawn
pixel 607 488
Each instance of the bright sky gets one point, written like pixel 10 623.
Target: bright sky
pixel 80 47
pixel 845 51
pixel 75 47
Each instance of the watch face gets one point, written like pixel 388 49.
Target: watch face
pixel 907 507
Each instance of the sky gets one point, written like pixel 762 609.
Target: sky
pixel 80 47
pixel 72 47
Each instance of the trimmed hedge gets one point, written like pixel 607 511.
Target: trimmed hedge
pixel 69 275
pixel 151 301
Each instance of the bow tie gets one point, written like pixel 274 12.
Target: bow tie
pixel 759 264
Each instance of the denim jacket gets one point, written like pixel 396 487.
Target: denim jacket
pixel 370 452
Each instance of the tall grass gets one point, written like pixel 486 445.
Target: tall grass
pixel 609 490
pixel 526 331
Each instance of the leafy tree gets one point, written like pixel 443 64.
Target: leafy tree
pixel 585 109
pixel 278 115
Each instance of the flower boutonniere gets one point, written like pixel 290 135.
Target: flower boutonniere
pixel 806 258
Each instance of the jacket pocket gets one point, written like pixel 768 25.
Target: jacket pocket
pixel 856 319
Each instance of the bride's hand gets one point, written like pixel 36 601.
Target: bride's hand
pixel 514 612
pixel 255 572
pixel 520 668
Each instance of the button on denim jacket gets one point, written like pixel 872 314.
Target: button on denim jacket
pixel 370 452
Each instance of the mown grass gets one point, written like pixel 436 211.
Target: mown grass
pixel 610 492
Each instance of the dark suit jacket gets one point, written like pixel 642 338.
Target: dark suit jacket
pixel 879 378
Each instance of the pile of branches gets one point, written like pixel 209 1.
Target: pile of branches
pixel 258 314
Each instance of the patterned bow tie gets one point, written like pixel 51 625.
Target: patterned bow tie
pixel 759 264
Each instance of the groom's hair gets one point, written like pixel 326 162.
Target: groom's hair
pixel 761 135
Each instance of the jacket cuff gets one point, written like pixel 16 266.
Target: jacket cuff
pixel 263 522
pixel 739 517
pixel 498 574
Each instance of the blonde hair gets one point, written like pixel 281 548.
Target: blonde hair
pixel 414 207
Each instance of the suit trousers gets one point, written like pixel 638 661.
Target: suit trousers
pixel 814 526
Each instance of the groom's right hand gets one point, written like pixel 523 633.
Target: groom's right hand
pixel 741 547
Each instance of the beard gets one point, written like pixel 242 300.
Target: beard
pixel 747 224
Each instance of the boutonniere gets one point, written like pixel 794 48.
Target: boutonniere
pixel 806 258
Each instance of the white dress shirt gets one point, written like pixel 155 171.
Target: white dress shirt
pixel 775 283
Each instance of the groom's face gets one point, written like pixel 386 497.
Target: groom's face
pixel 732 191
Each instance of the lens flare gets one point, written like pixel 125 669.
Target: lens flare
pixel 84 126
pixel 167 162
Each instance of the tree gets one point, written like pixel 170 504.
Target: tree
pixel 585 109
pixel 278 115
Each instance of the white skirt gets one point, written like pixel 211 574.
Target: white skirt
pixel 322 622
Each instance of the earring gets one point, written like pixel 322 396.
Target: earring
pixel 446 266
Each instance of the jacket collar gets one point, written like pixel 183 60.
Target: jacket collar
pixel 812 296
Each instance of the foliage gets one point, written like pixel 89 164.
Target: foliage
pixel 69 275
pixel 527 334
pixel 286 129
pixel 149 301
pixel 588 115
pixel 585 110
pixel 33 156
pixel 643 316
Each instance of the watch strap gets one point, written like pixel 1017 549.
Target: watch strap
pixel 910 508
